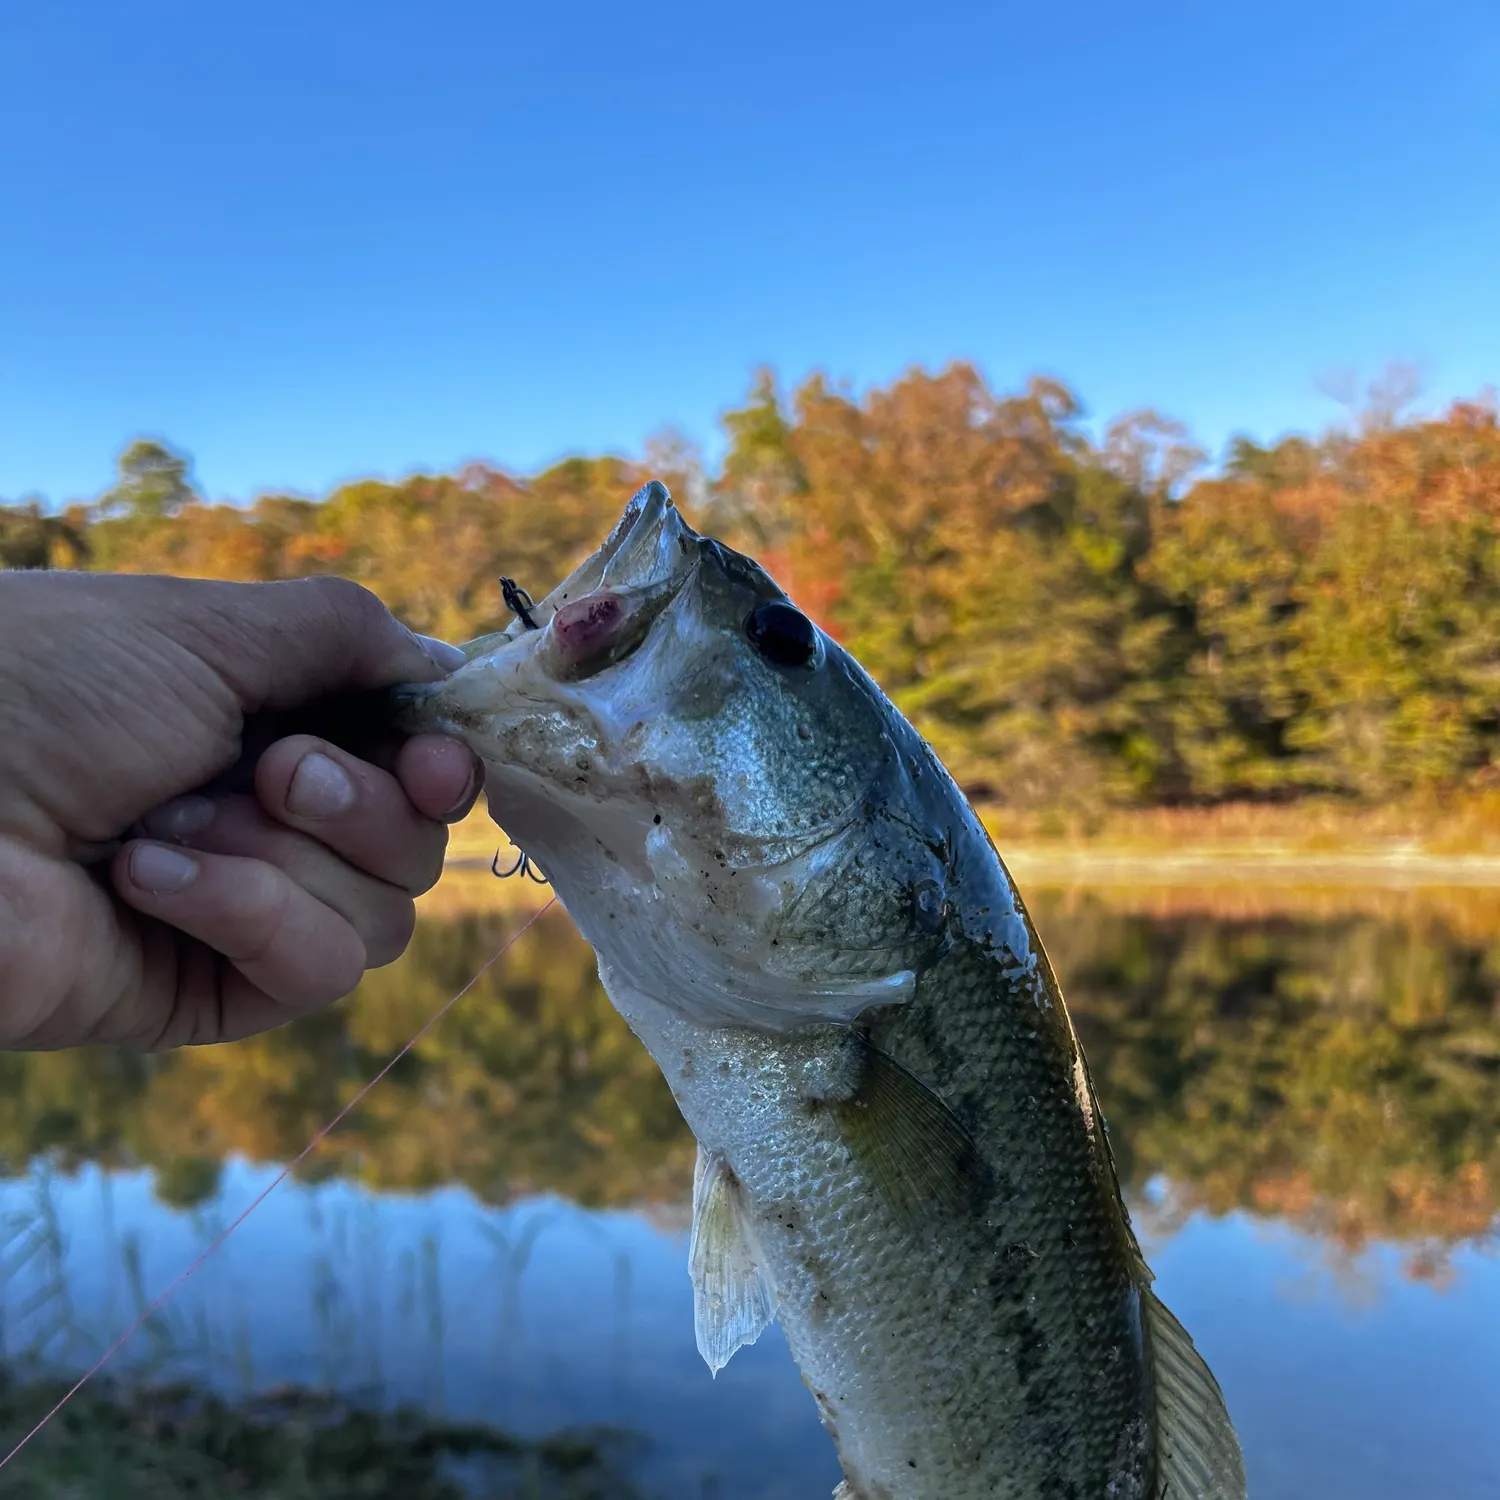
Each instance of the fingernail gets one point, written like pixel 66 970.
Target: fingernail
pixel 443 656
pixel 179 818
pixel 320 788
pixel 161 870
pixel 471 791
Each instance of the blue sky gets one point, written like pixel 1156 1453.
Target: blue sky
pixel 319 239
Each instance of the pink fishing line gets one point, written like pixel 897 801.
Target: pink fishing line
pixel 271 1187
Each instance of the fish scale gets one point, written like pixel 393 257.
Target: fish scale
pixel 797 912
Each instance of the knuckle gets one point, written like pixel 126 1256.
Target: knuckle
pixel 344 597
pixel 263 900
pixel 29 963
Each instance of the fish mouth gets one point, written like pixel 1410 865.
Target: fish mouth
pixel 604 609
pixel 650 544
pixel 629 578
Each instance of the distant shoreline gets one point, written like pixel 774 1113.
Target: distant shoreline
pixel 1397 848
pixel 1396 865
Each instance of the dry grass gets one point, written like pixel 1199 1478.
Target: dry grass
pixel 1243 858
pixel 1428 826
pixel 1469 913
pixel 1232 876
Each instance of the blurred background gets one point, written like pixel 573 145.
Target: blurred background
pixel 1117 386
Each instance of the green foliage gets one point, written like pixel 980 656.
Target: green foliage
pixel 1228 565
pixel 761 478
pixel 31 538
pixel 152 482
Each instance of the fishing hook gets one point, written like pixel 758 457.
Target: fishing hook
pixel 522 867
pixel 518 602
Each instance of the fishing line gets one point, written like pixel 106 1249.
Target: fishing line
pixel 276 1182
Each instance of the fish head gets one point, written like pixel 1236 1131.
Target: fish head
pixel 693 764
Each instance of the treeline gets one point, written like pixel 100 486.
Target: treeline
pixel 1071 622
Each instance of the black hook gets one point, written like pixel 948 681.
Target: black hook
pixel 522 867
pixel 518 602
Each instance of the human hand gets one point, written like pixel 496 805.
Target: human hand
pixel 166 880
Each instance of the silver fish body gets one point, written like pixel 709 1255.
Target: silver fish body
pixel 795 909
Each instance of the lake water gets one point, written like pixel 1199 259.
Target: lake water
pixel 1303 1089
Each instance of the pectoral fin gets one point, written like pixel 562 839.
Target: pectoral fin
pixel 909 1142
pixel 732 1299
pixel 1198 1455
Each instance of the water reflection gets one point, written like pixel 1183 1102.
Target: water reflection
pixel 1305 1105
pixel 1343 1072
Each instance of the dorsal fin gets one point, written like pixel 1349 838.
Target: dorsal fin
pixel 1197 1453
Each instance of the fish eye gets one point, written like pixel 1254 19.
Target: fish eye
pixel 782 634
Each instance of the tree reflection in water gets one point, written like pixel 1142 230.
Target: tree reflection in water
pixel 1339 1068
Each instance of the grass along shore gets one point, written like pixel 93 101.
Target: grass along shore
pixel 1431 842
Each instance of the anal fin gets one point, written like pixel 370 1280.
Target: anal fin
pixel 733 1303
pixel 1197 1453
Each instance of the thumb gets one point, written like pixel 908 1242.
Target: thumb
pixel 277 645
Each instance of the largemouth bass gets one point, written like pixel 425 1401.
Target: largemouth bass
pixel 900 1155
